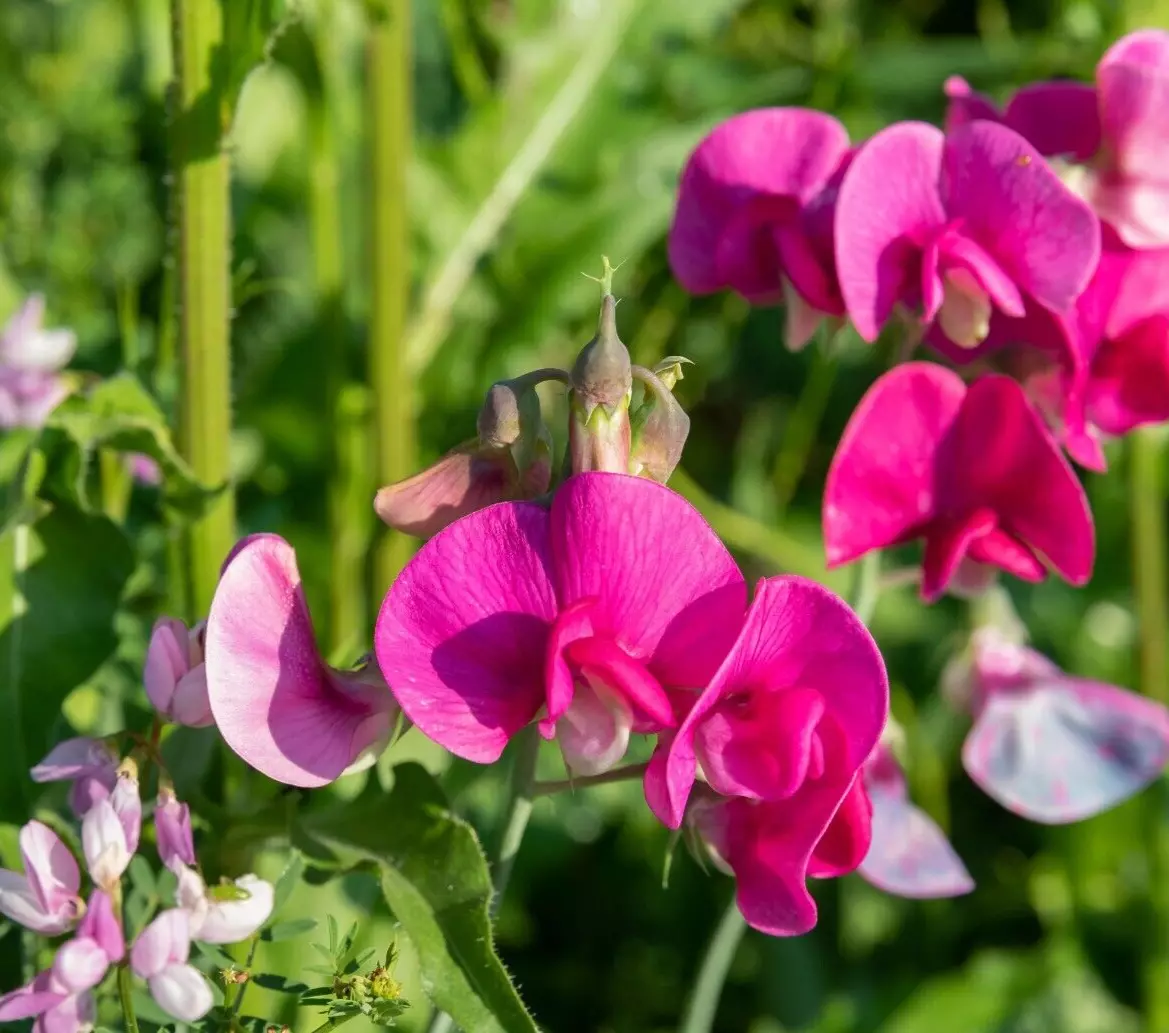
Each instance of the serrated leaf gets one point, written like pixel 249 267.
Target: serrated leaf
pixel 437 884
pixel 288 930
pixel 119 414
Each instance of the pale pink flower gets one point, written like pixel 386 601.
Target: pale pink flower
pixel 174 674
pixel 45 898
pixel 159 956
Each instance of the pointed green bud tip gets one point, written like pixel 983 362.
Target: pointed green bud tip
pixel 602 374
pixel 669 370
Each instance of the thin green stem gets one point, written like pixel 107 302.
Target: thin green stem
pixel 126 996
pixel 329 1024
pixel 1151 582
pixel 388 71
pixel 115 484
pixel 202 177
pixel 517 811
pixel 348 526
pixel 238 1003
pixel 800 432
pixel 716 963
pixel 866 589
pixel 560 785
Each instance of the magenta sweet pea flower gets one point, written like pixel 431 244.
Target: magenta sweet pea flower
pixel 174 674
pixel 89 764
pixel 31 358
pixel 910 856
pixel 792 713
pixel 973 471
pixel 159 956
pixel 772 848
pixel 1052 747
pixel 45 898
pixel 957 228
pixel 584 614
pixel 755 212
pixel 275 700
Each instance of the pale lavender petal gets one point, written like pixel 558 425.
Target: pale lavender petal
pixel 182 992
pixel 52 871
pixel 73 758
pixel 103 838
pixel 80 964
pixel 165 941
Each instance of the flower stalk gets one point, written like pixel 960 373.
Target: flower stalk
pixel 202 178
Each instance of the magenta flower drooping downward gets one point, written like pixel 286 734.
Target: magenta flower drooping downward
pixel 755 214
pixel 1051 747
pixel 275 700
pixel 910 856
pixel 584 615
pixel 972 471
pixel 956 228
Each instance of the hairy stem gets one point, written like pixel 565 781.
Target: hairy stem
pixel 716 963
pixel 388 69
pixel 1151 581
pixel 202 177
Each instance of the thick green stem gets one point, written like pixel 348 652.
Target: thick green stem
pixel 126 996
pixel 702 1004
pixel 388 71
pixel 1151 581
pixel 348 525
pixel 202 177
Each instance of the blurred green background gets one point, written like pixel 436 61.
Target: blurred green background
pixel 598 102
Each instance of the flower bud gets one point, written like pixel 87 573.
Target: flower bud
pixel 659 428
pixel 175 679
pixel 669 370
pixel 602 383
pixel 172 828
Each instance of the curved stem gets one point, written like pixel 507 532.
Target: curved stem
pixel 559 785
pixel 126 996
pixel 703 1002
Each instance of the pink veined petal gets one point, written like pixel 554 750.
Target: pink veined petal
pixel 604 660
pixel 182 992
pixel 1010 202
pixel 275 701
pixel 1132 81
pixel 746 259
pixel 75 1013
pixel 880 486
pixel 572 623
pixel 103 927
pixel 1059 118
pixel 910 856
pixel 52 871
pixel 19 903
pixel 1066 749
pixel 1129 385
pixel 797 634
pixel 72 759
pixel 1001 456
pixel 665 588
pixel 80 964
pixel 760 747
pixel 888 207
pixel 462 633
pixel 464 480
pixel 33 999
pixel 967 104
pixel 846 840
pixel 172 825
pixel 947 543
pixel 165 941
pixel 594 731
pixel 778 153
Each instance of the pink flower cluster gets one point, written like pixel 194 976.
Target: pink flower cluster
pixel 46 897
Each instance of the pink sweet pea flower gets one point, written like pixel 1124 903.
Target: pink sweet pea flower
pixel 973 471
pixel 89 764
pixel 159 956
pixel 105 837
pixel 910 856
pixel 772 848
pixel 43 899
pixel 174 673
pixel 31 357
pixel 792 713
pixel 755 211
pixel 1051 747
pixel 172 827
pixel 275 700
pixel 957 228
pixel 587 611
pixel 227 913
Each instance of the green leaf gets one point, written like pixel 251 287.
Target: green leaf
pixel 61 581
pixel 22 468
pixel 288 930
pixel 119 414
pixel 250 29
pixel 436 882
pixel 287 882
pixel 279 984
